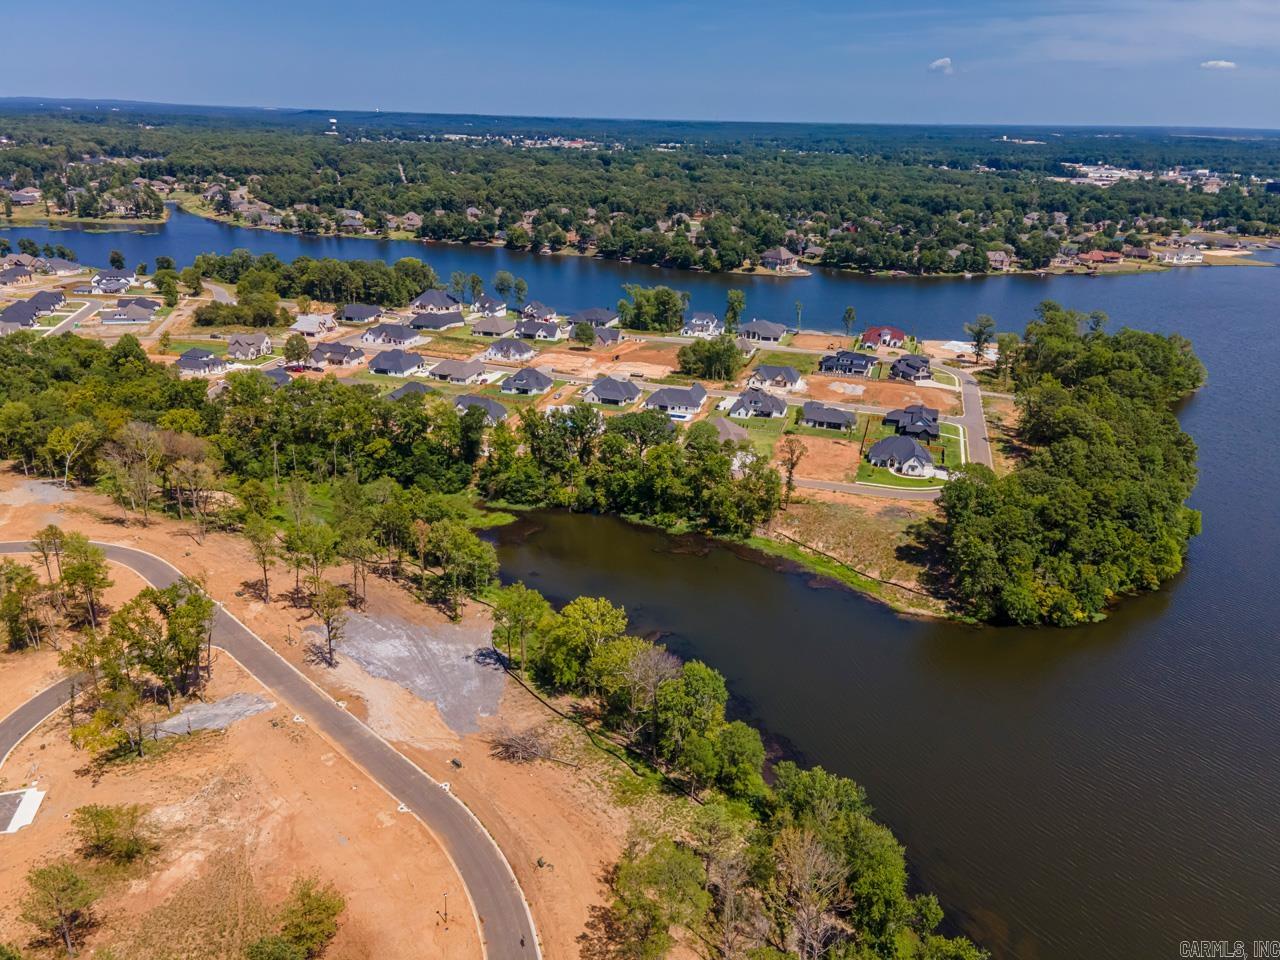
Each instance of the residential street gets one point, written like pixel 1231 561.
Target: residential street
pixel 503 919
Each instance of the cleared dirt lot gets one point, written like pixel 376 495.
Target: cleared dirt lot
pixel 567 817
pixel 881 393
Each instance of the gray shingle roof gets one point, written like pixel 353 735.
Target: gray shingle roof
pixel 613 390
pixel 495 411
pixel 899 449
pixel 527 380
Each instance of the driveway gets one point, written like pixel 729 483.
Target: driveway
pixel 503 918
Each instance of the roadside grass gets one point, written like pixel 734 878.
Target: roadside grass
pixel 217 347
pixel 887 478
pixel 941 376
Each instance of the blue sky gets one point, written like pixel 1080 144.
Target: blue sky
pixel 1193 62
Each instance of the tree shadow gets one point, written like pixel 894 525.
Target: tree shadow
pixel 489 657
pixel 924 547
pixel 602 938
pixel 317 654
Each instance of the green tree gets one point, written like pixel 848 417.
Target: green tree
pixel 519 613
pixel 466 563
pixel 585 334
pixel 982 331
pixel 113 832
pixel 521 290
pixel 849 320
pixel 655 890
pixel 261 536
pixel 736 302
pixel 329 604
pixel 116 260
pixel 309 919
pixel 59 902
pixel 296 349
pixel 192 280
pixel 85 572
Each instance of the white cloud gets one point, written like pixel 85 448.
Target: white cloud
pixel 942 65
pixel 1218 65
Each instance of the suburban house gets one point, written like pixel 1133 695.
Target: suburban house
pixel 901 455
pixel 536 310
pixel 359 313
pixel 765 331
pixel 126 311
pixel 435 301
pixel 754 402
pixel 335 355
pixel 612 392
pixel 59 267
pixel 396 363
pixel 414 388
pixel 12 275
pixel 198 362
pixel 609 336
pixel 495 326
pixel 1179 256
pixel 20 314
pixel 874 337
pixel 779 258
pixel 729 432
pixel 527 381
pixel 488 306
pixel 596 316
pixel 277 376
pixel 248 346
pixel 748 347
pixel 314 324
pixel 704 326
pixel 915 421
pixel 458 371
pixel 846 363
pixel 509 350
pixel 539 330
pixel 814 414
pixel 999 260
pixel 911 367
pixel 777 377
pixel 45 302
pixel 112 281
pixel 391 334
pixel 439 320
pixel 494 412
pixel 7 328
pixel 678 403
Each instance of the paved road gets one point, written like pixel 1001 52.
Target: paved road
pixel 504 919
pixel 68 324
pixel 973 419
pixel 29 716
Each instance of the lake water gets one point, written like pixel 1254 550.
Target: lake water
pixel 1102 792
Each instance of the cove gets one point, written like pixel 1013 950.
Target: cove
pixel 1102 792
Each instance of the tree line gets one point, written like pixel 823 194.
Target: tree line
pixel 1098 507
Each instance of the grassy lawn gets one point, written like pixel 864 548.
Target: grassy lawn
pixel 804 363
pixel 941 376
pixel 878 372
pixel 261 361
pixel 887 478
pixel 52 320
pixel 217 347
pixel 764 431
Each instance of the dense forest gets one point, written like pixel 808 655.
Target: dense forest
pixel 1098 508
pixel 922 200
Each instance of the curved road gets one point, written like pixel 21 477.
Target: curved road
pixel 505 924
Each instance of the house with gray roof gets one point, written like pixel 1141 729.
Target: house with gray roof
pixel 198 362
pixel 596 317
pixel 495 326
pixel 392 335
pixel 609 336
pixel 823 417
pixel 20 314
pixel 248 346
pixel 678 403
pixel 59 267
pixel 527 381
pixel 911 367
pixel 612 392
pixel 754 402
pixel 435 301
pixel 494 411
pixel 539 330
pixel 509 350
pixel 278 376
pixel 335 355
pixel 414 388
pixel 763 331
pixel 359 313
pixel 916 421
pixel 437 320
pixel 46 302
pixel 130 313
pixel 112 281
pixel 488 306
pixel 846 363
pixel 458 371
pixel 703 325
pixel 12 275
pixel 902 455
pixel 396 363
pixel 775 377
pixel 537 310
pixel 314 324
